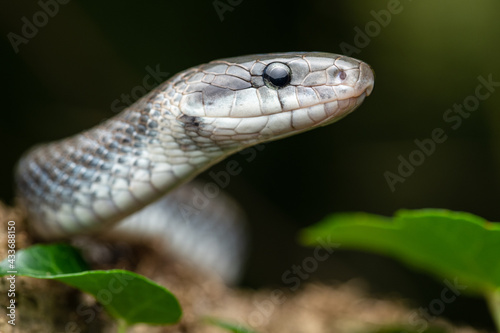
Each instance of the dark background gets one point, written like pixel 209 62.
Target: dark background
pixel 427 58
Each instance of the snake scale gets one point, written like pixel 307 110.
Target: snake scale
pixel 193 120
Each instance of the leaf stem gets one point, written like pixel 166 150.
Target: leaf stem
pixel 493 299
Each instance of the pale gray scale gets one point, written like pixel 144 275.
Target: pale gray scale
pixel 157 114
pixel 230 82
pixel 258 68
pixel 195 87
pixel 346 63
pixel 302 120
pixel 318 78
pixel 239 72
pixel 215 68
pixel 288 98
pixel 193 101
pixel 268 100
pixel 193 120
pixel 55 174
pixel 319 63
pixel 343 103
pixel 326 92
pixel 251 126
pixel 244 104
pixel 333 77
pixel 208 78
pixel 307 96
pixel 317 113
pixel 194 77
pixel 203 141
pixel 300 71
pixel 257 81
pixel 180 86
pixel 246 65
pixel 171 93
pixel 343 92
pixel 45 184
pixel 152 124
pixel 51 176
pixel 278 124
pixel 224 123
pixel 142 163
pixel 217 102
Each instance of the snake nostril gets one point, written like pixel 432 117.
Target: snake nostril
pixel 342 75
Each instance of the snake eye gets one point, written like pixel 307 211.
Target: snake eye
pixel 277 75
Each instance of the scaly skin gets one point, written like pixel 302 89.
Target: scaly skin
pixel 190 122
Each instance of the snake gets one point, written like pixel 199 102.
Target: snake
pixel 90 181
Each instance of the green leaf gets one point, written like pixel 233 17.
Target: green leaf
pixel 125 295
pixel 453 245
pixel 231 327
pixel 45 261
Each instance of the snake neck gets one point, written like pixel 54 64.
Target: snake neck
pixel 100 176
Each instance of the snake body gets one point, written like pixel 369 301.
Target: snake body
pixel 188 123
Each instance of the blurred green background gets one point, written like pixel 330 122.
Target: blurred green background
pixel 427 56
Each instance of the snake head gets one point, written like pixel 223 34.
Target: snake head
pixel 237 102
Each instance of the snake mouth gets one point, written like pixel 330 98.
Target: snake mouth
pixel 251 130
pixel 341 108
pixel 306 118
